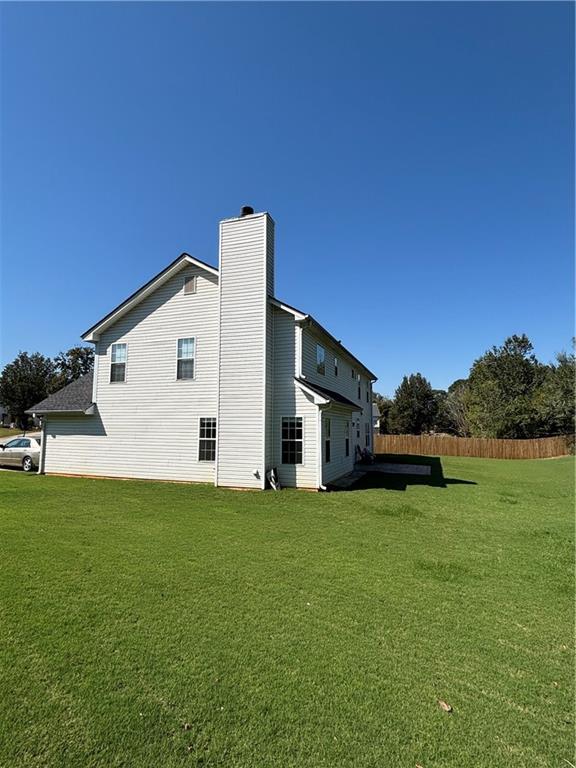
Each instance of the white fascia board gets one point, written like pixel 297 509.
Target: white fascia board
pixel 94 333
pixel 298 315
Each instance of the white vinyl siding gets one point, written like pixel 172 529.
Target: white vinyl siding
pixel 339 463
pixel 149 426
pixel 289 400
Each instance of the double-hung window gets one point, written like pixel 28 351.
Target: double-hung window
pixel 207 440
pixel 320 359
pixel 185 363
pixel 292 440
pixel 335 366
pixel 327 435
pixel 359 388
pixel 118 357
pixel 367 432
pixel 347 438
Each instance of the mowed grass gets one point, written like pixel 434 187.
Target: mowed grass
pixel 157 625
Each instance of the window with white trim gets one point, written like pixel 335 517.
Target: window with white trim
pixel 292 440
pixel 320 359
pixel 118 355
pixel 327 435
pixel 347 438
pixel 207 439
pixel 185 358
pixel 190 284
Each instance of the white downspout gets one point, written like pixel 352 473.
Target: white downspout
pixel 321 486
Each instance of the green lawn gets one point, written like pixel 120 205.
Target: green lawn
pixel 7 432
pixel 151 625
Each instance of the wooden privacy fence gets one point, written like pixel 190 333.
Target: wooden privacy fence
pixel 481 447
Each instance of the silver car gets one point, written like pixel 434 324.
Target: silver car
pixel 21 452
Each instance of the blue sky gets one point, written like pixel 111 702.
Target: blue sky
pixel 417 158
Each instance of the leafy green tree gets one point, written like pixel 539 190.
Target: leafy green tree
pixel 384 406
pixel 457 408
pixel 415 407
pixel 24 382
pixel 71 365
pixel 556 398
pixel 500 397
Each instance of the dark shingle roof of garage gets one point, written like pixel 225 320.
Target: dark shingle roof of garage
pixel 73 398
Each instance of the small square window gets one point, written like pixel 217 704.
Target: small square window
pixel 190 284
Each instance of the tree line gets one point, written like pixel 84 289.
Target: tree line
pixel 29 378
pixel 508 394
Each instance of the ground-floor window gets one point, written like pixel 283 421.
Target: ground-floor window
pixel 327 431
pixel 347 438
pixel 292 440
pixel 367 430
pixel 207 442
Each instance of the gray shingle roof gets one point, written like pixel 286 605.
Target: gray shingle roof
pixel 330 394
pixel 74 398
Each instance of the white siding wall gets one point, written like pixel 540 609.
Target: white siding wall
pixel 147 427
pixel 339 463
pixel 289 400
pixel 343 383
pixel 246 255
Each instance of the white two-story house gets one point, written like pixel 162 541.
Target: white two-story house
pixel 203 375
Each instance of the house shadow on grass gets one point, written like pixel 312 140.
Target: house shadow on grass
pixel 400 481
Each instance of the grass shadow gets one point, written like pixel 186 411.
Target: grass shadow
pixel 399 482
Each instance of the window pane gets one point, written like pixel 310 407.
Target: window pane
pixel 185 349
pixel 118 372
pixel 185 369
pixel 119 353
pixel 320 367
pixel 190 284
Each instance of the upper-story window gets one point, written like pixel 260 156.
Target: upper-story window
pixel 359 388
pixel 320 359
pixel 335 366
pixel 185 364
pixel 353 373
pixel 118 357
pixel 190 284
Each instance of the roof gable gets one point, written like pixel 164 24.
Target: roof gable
pixel 182 261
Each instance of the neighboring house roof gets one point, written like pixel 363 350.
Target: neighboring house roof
pixel 74 398
pixel 329 394
pixel 376 411
pixel 144 291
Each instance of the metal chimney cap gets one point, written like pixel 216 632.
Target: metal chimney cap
pixel 246 210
